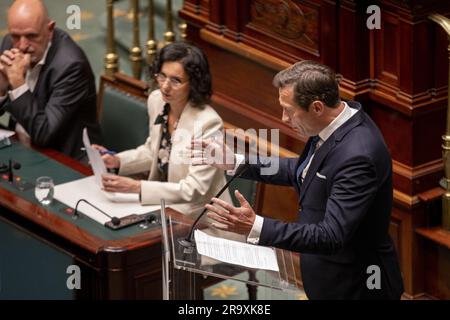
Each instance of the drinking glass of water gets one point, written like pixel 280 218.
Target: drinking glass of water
pixel 44 190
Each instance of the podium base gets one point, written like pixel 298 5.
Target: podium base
pixel 186 243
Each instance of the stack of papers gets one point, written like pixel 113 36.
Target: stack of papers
pixel 4 137
pixel 95 159
pixel 6 134
pixel 90 189
pixel 86 188
pixel 99 169
pixel 235 252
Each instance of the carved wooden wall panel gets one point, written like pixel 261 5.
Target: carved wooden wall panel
pixel 291 29
pixel 387 53
pixel 295 22
pixel 398 73
pixel 437 269
pixel 396 234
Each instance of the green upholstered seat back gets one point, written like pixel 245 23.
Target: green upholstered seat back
pixel 123 119
pixel 246 187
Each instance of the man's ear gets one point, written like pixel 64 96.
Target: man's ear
pixel 51 27
pixel 318 107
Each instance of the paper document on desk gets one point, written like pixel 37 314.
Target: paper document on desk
pixel 235 252
pixel 86 188
pixel 6 134
pixel 4 138
pixel 99 168
pixel 120 197
pixel 95 159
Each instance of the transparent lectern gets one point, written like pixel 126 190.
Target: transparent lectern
pixel 185 271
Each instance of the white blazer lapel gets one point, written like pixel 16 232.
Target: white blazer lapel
pixel 180 140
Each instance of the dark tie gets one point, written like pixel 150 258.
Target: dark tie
pixel 302 166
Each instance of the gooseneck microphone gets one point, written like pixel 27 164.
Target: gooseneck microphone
pixel 189 240
pixel 8 168
pixel 15 166
pixel 114 220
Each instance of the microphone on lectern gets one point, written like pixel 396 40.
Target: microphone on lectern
pixel 188 241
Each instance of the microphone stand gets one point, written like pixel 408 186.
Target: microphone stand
pixel 114 220
pixel 8 168
pixel 189 240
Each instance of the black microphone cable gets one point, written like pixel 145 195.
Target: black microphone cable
pixel 188 241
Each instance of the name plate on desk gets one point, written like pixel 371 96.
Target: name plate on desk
pixel 130 220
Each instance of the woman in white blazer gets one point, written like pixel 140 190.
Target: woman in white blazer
pixel 178 111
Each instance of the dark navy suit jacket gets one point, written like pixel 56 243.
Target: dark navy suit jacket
pixel 344 214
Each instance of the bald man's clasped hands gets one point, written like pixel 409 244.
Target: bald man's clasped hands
pixel 47 87
pixel 13 67
pixel 30 42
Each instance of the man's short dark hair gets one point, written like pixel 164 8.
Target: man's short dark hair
pixel 195 65
pixel 312 81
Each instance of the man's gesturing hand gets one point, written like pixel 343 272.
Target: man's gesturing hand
pixel 239 220
pixel 213 152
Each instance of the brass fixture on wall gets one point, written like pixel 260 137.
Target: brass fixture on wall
pixel 444 22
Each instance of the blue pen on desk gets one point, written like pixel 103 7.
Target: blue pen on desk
pixel 102 152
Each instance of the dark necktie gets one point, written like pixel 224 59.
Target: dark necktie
pixel 302 166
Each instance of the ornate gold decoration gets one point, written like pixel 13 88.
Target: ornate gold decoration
pixel 111 58
pixel 169 35
pixel 445 24
pixel 135 51
pixel 224 291
pixel 119 13
pixel 183 31
pixel 80 36
pixel 152 45
pixel 86 15
pixel 131 14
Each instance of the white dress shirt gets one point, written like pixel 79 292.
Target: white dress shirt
pixel 31 79
pixel 345 115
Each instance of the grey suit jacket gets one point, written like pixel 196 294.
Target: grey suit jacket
pixel 63 101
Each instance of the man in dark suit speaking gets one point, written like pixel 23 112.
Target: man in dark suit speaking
pixel 46 83
pixel 344 181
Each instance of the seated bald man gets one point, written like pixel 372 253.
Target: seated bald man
pixel 47 85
